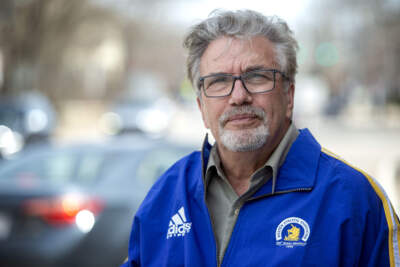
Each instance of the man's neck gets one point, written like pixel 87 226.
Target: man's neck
pixel 240 166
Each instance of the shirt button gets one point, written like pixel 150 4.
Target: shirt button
pixel 237 211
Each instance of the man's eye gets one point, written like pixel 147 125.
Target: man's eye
pixel 259 77
pixel 216 81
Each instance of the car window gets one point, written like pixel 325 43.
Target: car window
pixel 57 167
pixel 156 162
pixel 89 167
pixel 117 165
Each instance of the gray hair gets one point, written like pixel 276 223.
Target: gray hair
pixel 241 24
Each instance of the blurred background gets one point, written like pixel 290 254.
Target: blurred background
pixel 111 73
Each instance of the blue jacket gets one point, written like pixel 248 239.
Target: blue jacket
pixel 322 212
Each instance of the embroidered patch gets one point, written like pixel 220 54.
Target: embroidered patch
pixel 292 232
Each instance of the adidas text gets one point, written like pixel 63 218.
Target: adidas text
pixel 178 225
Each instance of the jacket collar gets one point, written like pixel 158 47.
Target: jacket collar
pixel 297 172
pixel 300 167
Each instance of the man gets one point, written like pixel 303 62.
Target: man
pixel 265 194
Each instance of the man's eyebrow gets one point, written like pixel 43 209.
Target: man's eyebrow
pixel 217 73
pixel 248 69
pixel 256 67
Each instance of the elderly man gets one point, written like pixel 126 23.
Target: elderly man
pixel 266 193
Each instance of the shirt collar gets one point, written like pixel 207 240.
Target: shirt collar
pixel 214 164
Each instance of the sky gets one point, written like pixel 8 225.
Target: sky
pixel 189 12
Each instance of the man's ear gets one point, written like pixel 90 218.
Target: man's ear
pixel 202 111
pixel 290 100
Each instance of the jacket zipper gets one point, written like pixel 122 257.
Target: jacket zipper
pixel 230 236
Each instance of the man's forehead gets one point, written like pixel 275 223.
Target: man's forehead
pixel 244 52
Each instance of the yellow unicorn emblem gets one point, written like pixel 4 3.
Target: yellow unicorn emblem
pixel 293 234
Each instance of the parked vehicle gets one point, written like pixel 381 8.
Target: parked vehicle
pixel 73 205
pixel 25 118
pixel 136 109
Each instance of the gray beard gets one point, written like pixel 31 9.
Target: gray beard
pixel 246 139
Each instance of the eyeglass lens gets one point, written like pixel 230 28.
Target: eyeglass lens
pixel 255 82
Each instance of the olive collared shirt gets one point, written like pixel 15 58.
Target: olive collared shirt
pixel 224 203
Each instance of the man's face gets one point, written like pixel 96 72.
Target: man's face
pixel 243 121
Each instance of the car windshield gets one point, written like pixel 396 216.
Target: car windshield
pixel 62 166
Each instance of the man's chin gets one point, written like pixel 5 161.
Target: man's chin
pixel 244 140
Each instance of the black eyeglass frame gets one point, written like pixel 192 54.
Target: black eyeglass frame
pixel 239 77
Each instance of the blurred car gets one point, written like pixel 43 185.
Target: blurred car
pixel 132 116
pixel 73 205
pixel 25 118
pixel 143 107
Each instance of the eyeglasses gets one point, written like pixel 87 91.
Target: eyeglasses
pixel 255 82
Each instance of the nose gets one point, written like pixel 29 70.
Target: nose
pixel 239 95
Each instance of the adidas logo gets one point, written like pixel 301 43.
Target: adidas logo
pixel 178 225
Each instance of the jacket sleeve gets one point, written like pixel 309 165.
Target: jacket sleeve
pixel 134 246
pixel 381 236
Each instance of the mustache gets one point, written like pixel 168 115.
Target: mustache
pixel 241 110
